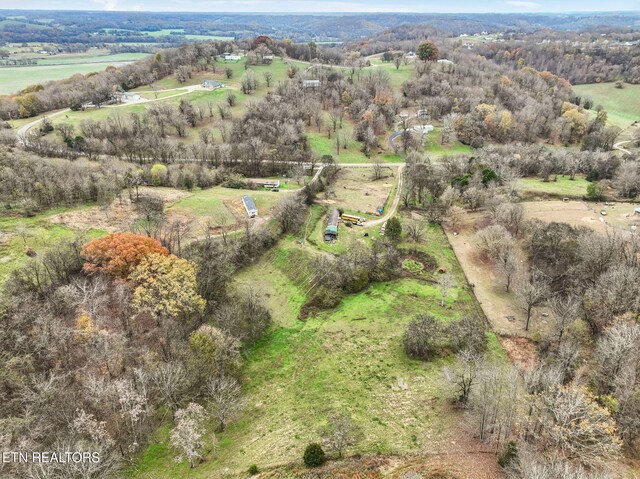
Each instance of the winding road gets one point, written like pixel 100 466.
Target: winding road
pixel 618 146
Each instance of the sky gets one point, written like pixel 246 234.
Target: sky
pixel 310 6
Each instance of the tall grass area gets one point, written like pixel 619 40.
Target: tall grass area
pixel 36 233
pixel 622 104
pixel 321 144
pixel 346 359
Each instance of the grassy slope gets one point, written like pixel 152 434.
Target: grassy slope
pixel 622 105
pixel 349 358
pixel 278 68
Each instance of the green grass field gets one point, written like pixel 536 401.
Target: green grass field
pixel 16 234
pixel 434 148
pixel 622 104
pixel 13 79
pixel 396 76
pixel 347 359
pixel 323 145
pixel 562 187
pixel 210 203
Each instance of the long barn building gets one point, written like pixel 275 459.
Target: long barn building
pixel 331 231
pixel 249 206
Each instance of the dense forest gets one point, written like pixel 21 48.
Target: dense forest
pixel 117 27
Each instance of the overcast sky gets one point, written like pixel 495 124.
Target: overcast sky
pixel 307 6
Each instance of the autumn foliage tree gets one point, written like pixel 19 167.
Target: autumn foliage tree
pixel 119 253
pixel 166 286
pixel 428 52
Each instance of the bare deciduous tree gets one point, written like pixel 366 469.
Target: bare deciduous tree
pixel 170 379
pixel 446 282
pixel 564 310
pixel 463 374
pixel 226 398
pixel 532 291
pixel 508 265
pixel 188 434
pixel 575 427
pixel 341 433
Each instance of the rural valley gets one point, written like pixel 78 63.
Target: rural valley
pixel 319 246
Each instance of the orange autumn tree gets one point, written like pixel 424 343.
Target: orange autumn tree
pixel 119 253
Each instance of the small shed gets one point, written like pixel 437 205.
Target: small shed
pixel 249 206
pixel 422 128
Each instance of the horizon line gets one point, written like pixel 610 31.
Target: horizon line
pixel 381 12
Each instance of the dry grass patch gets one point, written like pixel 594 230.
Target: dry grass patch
pixel 117 216
pixel 356 191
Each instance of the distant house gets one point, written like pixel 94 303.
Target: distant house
pixel 422 113
pixel 422 128
pixel 233 58
pixel 308 84
pixel 445 61
pixel 268 58
pixel 211 84
pixel 249 206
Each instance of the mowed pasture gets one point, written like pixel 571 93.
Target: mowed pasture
pixel 213 207
pixel 434 147
pixel 622 104
pixel 617 217
pixel 323 145
pixel 222 207
pixel 356 191
pixel 13 79
pixel 559 187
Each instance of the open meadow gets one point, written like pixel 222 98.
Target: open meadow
pixel 348 358
pixel 13 79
